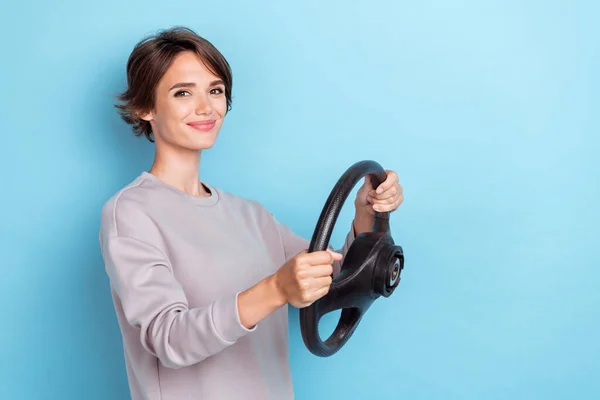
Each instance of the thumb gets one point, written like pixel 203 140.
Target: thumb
pixel 336 256
pixel 368 182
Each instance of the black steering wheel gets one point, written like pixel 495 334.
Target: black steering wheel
pixel 370 269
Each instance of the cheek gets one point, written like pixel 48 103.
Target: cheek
pixel 179 110
pixel 171 113
pixel 220 106
pixel 172 123
pixel 173 110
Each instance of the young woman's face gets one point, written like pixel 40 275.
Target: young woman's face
pixel 190 104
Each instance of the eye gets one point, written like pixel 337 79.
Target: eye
pixel 181 93
pixel 218 90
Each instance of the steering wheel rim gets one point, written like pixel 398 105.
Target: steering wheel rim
pixel 351 313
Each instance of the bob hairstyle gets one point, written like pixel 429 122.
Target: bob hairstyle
pixel 149 61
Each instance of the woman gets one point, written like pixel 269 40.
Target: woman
pixel 201 278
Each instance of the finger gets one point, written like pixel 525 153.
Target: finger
pixel 319 271
pixel 387 194
pixel 305 251
pixel 316 295
pixel 389 182
pixel 322 257
pixel 320 283
pixel 368 182
pixel 336 256
pixel 367 186
pixel 389 207
pixel 386 201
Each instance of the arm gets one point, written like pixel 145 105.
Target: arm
pixel 154 302
pixel 363 222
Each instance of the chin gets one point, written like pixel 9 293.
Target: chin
pixel 204 140
pixel 202 144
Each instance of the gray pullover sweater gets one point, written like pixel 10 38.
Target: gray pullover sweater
pixel 176 264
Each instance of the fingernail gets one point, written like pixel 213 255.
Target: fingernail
pixel 379 190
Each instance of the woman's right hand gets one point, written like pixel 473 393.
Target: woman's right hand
pixel 305 278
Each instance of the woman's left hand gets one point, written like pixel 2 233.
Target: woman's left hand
pixel 387 198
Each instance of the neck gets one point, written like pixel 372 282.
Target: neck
pixel 180 169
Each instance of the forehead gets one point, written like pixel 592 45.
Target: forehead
pixel 187 67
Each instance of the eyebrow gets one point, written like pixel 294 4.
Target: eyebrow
pixel 192 84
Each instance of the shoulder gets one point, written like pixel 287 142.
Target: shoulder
pixel 126 211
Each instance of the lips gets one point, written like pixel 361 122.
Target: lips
pixel 203 126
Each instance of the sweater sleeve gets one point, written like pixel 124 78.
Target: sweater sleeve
pixel 154 302
pixel 294 244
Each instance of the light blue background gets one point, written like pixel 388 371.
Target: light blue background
pixel 487 110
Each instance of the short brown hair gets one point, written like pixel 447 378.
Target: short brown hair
pixel 148 62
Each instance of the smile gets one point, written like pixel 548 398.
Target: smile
pixel 203 126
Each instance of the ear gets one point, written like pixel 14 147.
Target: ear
pixel 146 116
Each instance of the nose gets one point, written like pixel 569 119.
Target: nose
pixel 204 105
